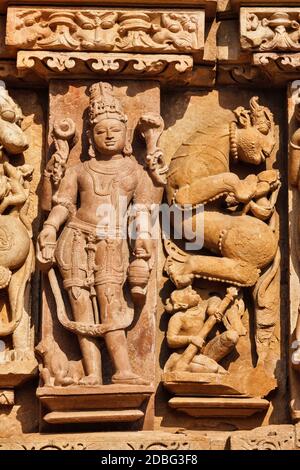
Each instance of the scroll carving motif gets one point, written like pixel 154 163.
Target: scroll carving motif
pixel 166 68
pixel 106 30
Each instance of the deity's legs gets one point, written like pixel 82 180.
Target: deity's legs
pixel 72 259
pixel 83 312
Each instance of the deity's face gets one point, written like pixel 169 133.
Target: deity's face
pixel 109 136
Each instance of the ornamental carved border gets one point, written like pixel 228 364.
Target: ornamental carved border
pixel 169 70
pixel 270 29
pixel 126 30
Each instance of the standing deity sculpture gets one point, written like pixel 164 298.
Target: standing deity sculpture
pixel 86 236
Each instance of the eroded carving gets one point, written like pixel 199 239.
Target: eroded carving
pixel 106 30
pixel 270 438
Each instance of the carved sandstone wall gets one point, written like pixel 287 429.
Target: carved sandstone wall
pixel 149 341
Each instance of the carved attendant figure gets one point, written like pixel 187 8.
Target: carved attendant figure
pixel 191 323
pixel 90 251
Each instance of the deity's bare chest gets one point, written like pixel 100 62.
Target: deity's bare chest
pixel 110 179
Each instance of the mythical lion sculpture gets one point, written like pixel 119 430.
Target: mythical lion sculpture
pixel 240 220
pixel 16 249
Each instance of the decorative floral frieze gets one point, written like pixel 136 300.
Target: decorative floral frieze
pixel 269 29
pixel 105 30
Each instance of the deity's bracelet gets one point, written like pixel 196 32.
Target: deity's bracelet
pixel 51 225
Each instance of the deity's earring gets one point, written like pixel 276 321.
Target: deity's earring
pixel 127 149
pixel 91 151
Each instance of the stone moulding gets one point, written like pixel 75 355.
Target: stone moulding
pixel 145 440
pixel 111 30
pixel 168 69
pixel 94 404
pixel 278 67
pixel 218 407
pixel 210 6
pixel 270 29
pixel 266 438
pixel 274 437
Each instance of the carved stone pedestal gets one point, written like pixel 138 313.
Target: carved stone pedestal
pixel 14 374
pixel 200 407
pixel 94 404
pixel 185 383
pixel 210 395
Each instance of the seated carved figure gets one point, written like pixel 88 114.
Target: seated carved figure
pixel 90 252
pixel 240 221
pixel 192 321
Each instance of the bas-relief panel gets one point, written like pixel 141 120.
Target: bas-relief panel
pixel 205 113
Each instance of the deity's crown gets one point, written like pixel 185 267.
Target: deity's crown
pixel 103 104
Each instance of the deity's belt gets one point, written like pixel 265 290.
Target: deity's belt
pixel 99 231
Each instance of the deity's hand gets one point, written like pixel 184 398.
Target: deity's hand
pixel 143 248
pixel 46 244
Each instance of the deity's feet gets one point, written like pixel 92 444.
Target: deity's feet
pixel 128 378
pixel 90 380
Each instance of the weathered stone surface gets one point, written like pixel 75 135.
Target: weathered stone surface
pixel 109 441
pixel 268 438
